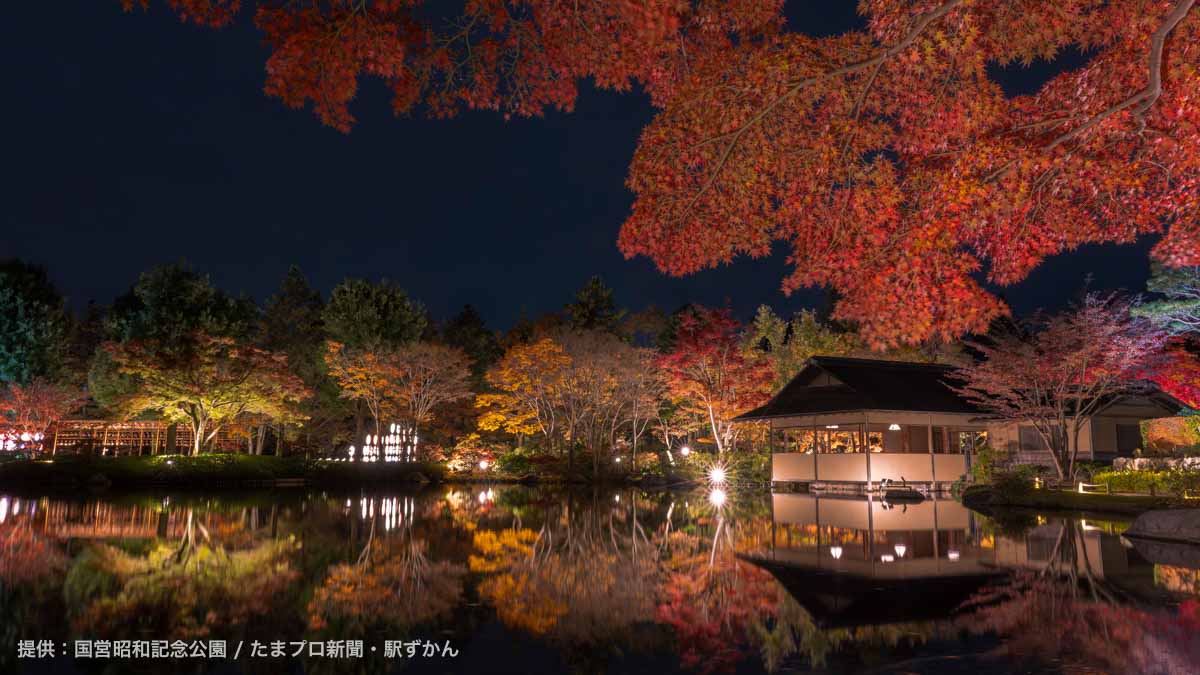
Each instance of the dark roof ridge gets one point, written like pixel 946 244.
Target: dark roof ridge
pixel 881 362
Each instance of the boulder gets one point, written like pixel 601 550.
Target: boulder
pixel 1180 525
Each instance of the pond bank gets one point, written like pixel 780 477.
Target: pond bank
pixel 241 471
pixel 982 497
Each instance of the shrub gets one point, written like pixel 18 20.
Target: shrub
pixel 1016 480
pixel 984 464
pixel 1173 481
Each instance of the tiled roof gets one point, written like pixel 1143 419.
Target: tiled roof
pixel 865 384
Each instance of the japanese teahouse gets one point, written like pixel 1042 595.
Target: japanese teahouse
pixel 852 423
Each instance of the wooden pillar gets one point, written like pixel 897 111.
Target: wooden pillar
pixel 932 461
pixel 866 426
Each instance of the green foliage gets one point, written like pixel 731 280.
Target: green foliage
pixel 791 343
pixel 984 464
pixel 468 332
pixel 1173 481
pixel 364 315
pixel 170 303
pixel 34 325
pixel 594 308
pixel 1179 310
pixel 1016 480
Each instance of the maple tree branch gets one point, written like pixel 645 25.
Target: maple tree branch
pixel 1143 98
pixel 795 87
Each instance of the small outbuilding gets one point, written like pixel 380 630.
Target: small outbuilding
pixel 857 422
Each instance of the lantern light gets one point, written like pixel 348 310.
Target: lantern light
pixel 893 427
pixel 685 451
pixel 836 552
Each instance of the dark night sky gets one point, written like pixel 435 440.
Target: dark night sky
pixel 134 140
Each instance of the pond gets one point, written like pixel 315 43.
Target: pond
pixel 499 579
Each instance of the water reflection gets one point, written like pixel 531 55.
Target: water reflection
pixel 600 580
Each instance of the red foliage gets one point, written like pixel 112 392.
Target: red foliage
pixel 708 370
pixel 1180 375
pixel 888 159
pixel 32 408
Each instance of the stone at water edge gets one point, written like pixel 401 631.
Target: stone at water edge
pixel 1172 524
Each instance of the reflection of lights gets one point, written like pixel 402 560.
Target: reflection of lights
pixel 831 426
pixel 888 557
pixel 953 554
pixel 836 552
pixel 617 460
pixel 491 495
pixel 3 508
pixel 170 462
pixel 717 497
pixel 1083 524
pixel 716 475
pixel 893 427
pixel 685 451
pixel 900 550
pixel 617 498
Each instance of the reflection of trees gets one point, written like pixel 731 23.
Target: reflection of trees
pixel 393 584
pixel 586 577
pixel 30 570
pixel 184 589
pixel 1067 612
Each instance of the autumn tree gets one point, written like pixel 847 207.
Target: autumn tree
pixel 709 372
pixel 34 325
pixel 527 383
pixel 370 377
pixel 217 380
pixel 430 375
pixel 888 159
pixel 164 311
pixel 32 408
pixel 1063 369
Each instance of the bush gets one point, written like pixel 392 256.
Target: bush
pixel 1016 480
pixel 984 464
pixel 1173 481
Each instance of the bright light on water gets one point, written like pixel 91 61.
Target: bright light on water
pixel 717 497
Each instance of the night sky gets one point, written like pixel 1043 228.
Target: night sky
pixel 133 140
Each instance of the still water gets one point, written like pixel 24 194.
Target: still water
pixel 510 579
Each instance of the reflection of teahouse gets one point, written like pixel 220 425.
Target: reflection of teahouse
pixel 852 423
pixel 852 561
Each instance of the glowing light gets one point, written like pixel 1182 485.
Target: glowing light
pixel 685 451
pixel 618 460
pixel 26 437
pixel 617 498
pixel 836 552
pixel 887 558
pixel 483 465
pixel 170 462
pixel 893 427
pixel 716 475
pixel 901 549
pixel 953 554
pixel 3 508
pixel 717 497
pixel 831 426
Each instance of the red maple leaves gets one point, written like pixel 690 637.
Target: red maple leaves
pixel 888 160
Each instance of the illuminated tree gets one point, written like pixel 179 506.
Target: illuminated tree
pixel 789 344
pixel 710 373
pixel 888 159
pixel 370 377
pixel 528 381
pixel 214 383
pixel 1179 310
pixel 1071 365
pixel 430 375
pixel 33 408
